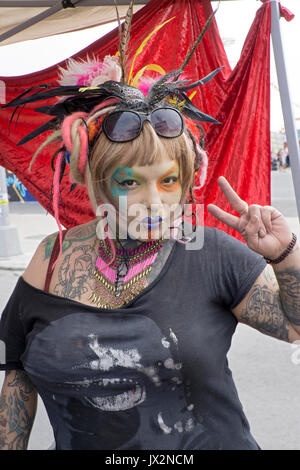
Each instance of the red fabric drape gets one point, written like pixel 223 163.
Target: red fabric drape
pixel 284 11
pixel 239 148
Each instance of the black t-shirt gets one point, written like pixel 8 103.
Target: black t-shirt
pixel 151 375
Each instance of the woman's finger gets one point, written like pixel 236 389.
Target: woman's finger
pixel 228 219
pixel 232 197
pixel 266 215
pixel 256 222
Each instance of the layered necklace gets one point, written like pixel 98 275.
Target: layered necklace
pixel 121 281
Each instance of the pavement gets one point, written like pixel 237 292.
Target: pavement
pixel 33 224
pixel 266 371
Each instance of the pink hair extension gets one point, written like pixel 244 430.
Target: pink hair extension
pixel 56 200
pixel 98 113
pixel 66 128
pixel 106 103
pixel 83 149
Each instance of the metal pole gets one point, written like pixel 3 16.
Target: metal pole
pixel 286 102
pixel 9 238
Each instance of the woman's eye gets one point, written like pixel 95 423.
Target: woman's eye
pixel 170 179
pixel 128 183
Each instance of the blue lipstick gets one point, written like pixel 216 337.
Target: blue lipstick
pixel 152 223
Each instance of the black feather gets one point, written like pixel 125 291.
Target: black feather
pixel 43 128
pixel 202 81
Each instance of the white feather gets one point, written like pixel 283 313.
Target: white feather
pixel 90 72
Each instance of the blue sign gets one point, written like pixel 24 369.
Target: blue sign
pixel 17 192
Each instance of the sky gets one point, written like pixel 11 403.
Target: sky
pixel 234 19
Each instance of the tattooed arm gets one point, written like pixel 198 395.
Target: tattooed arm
pixel 288 276
pixel 272 305
pixel 18 401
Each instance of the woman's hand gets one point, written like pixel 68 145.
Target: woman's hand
pixel 264 228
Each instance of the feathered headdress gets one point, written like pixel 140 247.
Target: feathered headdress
pixel 86 84
pixel 86 88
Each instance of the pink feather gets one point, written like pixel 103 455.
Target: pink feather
pixel 91 72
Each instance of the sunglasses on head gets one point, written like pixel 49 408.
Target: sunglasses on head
pixel 124 125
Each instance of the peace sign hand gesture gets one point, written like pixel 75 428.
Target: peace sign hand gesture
pixel 264 228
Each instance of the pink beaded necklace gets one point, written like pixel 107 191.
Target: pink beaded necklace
pixel 126 277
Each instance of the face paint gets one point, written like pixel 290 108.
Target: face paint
pixel 173 187
pixel 155 186
pixel 119 176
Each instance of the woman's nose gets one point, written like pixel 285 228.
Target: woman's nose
pixel 152 195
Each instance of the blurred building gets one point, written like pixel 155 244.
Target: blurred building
pixel 277 141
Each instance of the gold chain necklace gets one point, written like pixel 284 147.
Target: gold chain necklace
pixel 118 283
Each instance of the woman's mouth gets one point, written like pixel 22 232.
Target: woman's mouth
pixel 152 223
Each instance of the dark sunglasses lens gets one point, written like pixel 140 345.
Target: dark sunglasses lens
pixel 167 122
pixel 122 126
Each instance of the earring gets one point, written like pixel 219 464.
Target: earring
pixel 194 223
pixel 183 237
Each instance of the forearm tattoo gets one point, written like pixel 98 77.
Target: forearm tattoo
pixel 289 284
pixel 264 310
pixel 17 411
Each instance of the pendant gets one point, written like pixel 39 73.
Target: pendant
pixel 122 271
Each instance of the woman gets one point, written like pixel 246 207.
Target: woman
pixel 120 328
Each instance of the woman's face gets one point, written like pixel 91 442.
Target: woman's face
pixel 147 198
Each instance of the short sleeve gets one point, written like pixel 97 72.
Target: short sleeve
pixel 237 269
pixel 12 338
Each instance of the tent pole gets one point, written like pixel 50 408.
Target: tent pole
pixel 41 16
pixel 286 102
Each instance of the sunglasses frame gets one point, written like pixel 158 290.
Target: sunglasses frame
pixel 142 118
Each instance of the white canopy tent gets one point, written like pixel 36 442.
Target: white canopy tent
pixel 23 20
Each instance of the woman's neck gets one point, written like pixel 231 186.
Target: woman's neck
pixel 128 243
